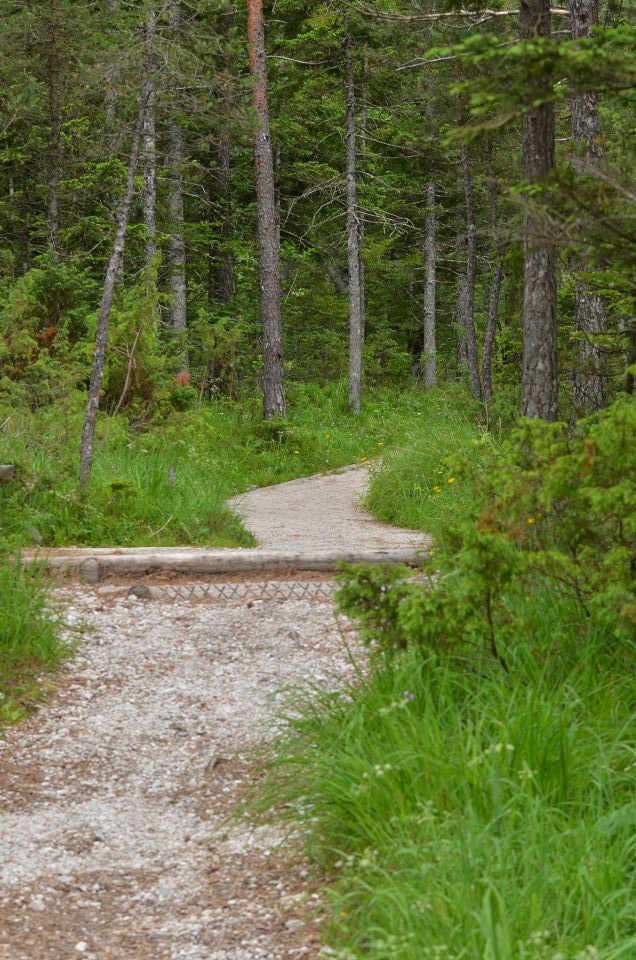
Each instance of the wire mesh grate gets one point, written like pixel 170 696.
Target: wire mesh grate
pixel 238 592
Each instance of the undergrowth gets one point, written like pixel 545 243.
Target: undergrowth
pixel 473 795
pixel 168 485
pixel 30 641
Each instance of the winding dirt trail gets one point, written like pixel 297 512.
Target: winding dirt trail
pixel 115 842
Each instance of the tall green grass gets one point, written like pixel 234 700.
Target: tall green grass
pixel 422 485
pixel 30 641
pixel 168 484
pixel 468 817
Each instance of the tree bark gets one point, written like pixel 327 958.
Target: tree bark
pixel 268 225
pixel 364 112
pixel 471 268
pixel 493 309
pixel 429 354
pixel 55 120
pixel 177 257
pixel 356 333
pixel 222 280
pixel 590 379
pixel 540 386
pixel 99 355
pixel 150 151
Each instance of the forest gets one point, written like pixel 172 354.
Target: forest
pixel 242 243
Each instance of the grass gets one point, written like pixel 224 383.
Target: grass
pixel 466 817
pixel 30 642
pixel 423 486
pixel 168 485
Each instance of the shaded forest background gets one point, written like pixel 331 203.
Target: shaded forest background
pixel 438 99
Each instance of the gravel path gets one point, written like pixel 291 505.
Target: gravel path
pixel 115 842
pixel 319 513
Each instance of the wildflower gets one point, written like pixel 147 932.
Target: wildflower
pixel 530 520
pixel 171 476
pixel 380 443
pixel 327 435
pixel 437 489
pixel 408 695
pixel 451 480
pixel 297 452
pixel 431 552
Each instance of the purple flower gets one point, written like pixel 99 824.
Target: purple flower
pixel 408 695
pixel 171 476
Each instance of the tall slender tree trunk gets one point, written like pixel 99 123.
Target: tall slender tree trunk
pixel 430 290
pixel 222 281
pixel 150 151
pixel 55 121
pixel 493 309
pixel 540 385
pixel 364 113
pixel 590 379
pixel 177 257
pixel 99 355
pixel 268 226
pixel 471 269
pixel 460 322
pixel 356 332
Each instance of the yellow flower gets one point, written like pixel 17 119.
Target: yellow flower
pixel 451 480
pixel 364 459
pixel 380 443
pixel 437 489
pixel 327 435
pixel 530 519
pixel 431 552
pixel 296 452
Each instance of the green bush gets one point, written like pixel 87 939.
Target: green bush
pixel 554 511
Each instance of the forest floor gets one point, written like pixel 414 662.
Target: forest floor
pixel 117 840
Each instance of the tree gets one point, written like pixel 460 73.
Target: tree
pixel 540 378
pixel 356 332
pixel 430 253
pixel 590 376
pixel 268 227
pixel 177 256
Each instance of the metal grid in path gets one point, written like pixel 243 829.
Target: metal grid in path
pixel 237 592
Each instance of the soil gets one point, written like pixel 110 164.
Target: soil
pixel 118 839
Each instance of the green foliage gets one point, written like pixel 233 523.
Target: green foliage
pixel 467 817
pixel 30 642
pixel 552 510
pixel 168 484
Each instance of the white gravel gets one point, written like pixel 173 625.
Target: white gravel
pixel 114 799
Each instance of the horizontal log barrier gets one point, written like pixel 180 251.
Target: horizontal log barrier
pixel 97 565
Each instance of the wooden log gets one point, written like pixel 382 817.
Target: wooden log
pixel 7 472
pixel 95 567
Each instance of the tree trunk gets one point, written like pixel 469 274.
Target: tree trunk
pixel 222 281
pixel 540 386
pixel 99 355
pixel 268 226
pixel 55 120
pixel 460 322
pixel 590 379
pixel 150 152
pixel 471 268
pixel 429 355
pixel 177 257
pixel 361 228
pixel 493 309
pixel 353 238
